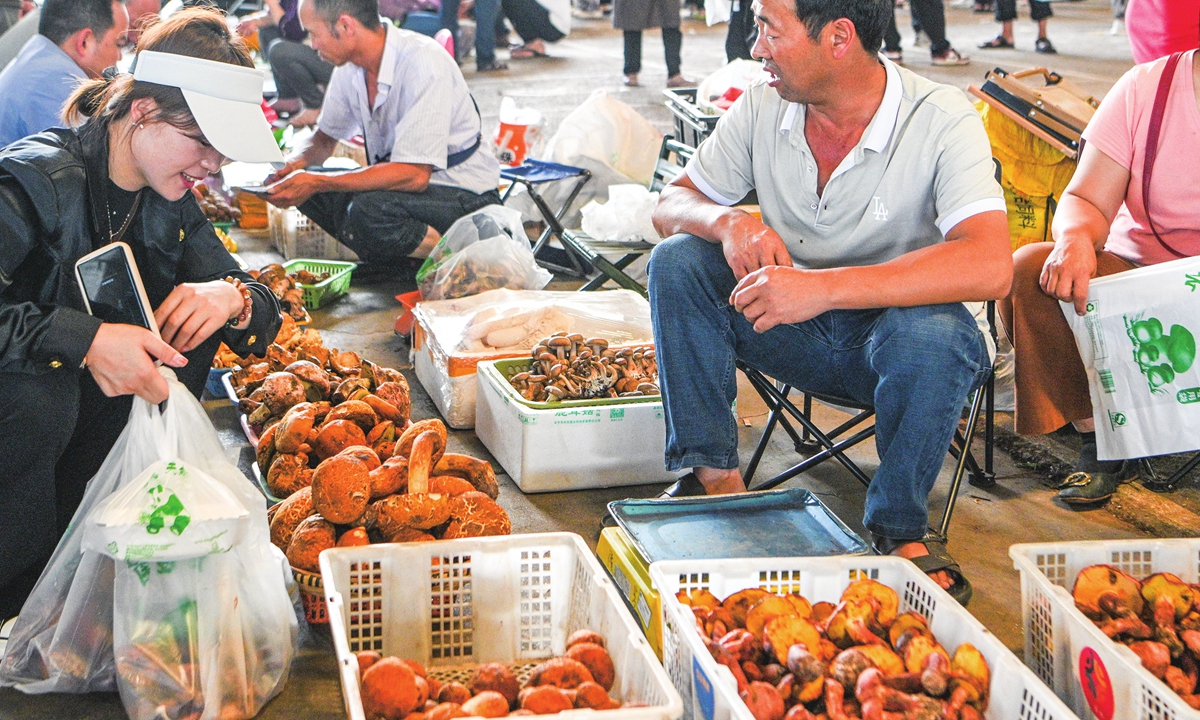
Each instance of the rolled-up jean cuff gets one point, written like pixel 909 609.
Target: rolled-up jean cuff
pixel 695 460
pixel 895 532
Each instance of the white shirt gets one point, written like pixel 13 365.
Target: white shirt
pixel 423 112
pixel 922 166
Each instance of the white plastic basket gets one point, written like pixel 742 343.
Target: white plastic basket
pixel 1060 640
pixel 709 690
pixel 295 236
pixel 452 604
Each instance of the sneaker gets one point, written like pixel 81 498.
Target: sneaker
pixel 896 56
pixel 950 58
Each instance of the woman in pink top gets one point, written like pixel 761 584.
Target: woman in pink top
pixel 1101 228
pixel 1158 28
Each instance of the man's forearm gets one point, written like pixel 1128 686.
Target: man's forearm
pixel 384 176
pixel 684 209
pixel 974 267
pixel 318 150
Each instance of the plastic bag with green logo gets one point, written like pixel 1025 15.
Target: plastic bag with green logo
pixel 1138 344
pixel 165 586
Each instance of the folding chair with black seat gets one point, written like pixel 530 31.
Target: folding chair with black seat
pixel 672 157
pixel 532 173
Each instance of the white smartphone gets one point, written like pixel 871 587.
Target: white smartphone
pixel 112 287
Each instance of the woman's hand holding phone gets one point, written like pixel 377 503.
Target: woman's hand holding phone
pixel 121 360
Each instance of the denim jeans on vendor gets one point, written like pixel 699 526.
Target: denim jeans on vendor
pixel 915 365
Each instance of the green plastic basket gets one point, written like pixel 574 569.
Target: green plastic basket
pixel 337 285
pixel 502 370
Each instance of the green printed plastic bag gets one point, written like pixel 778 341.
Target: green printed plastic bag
pixel 1138 345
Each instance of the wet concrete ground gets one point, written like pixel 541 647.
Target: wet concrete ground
pixel 1020 508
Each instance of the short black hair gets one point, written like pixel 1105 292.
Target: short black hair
pixel 870 18
pixel 61 19
pixel 364 11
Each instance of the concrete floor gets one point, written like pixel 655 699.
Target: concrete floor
pixel 1019 509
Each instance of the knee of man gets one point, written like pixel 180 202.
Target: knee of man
pixel 946 329
pixel 677 256
pixel 1028 261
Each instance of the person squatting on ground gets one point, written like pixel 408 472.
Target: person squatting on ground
pixel 537 22
pixel 406 96
pixel 1102 227
pixel 300 74
pixel 66 378
pixel 881 216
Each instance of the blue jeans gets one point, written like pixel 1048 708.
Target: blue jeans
pixel 487 13
pixel 915 365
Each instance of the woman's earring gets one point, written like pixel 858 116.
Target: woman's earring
pixel 139 126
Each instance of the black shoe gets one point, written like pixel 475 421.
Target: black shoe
pixel 687 486
pixel 1044 46
pixel 1095 481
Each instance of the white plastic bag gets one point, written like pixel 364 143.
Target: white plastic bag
pixel 717 11
pixel 626 217
pixel 485 250
pixel 719 90
pixel 207 637
pixel 1138 345
pixel 610 131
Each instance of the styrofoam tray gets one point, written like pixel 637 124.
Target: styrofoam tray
pixel 452 604
pixel 1094 675
pixel 570 448
pixel 709 690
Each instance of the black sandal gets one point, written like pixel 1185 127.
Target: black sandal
pixel 938 560
pixel 996 43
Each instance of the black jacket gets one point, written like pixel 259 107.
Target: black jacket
pixel 51 208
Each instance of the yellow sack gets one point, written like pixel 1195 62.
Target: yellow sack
pixel 1034 176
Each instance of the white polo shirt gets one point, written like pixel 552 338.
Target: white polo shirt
pixel 922 166
pixel 423 112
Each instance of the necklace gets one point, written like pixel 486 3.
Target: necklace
pixel 110 215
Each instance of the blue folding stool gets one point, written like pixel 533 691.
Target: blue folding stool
pixel 531 174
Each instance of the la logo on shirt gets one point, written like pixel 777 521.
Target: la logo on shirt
pixel 878 209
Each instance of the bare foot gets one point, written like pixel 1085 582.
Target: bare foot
pixel 917 549
pixel 717 481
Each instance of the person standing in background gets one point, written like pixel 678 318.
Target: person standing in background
pixel 1006 13
pixel 1158 28
pixel 742 31
pixel 537 22
pixel 930 16
pixel 487 17
pixel 634 16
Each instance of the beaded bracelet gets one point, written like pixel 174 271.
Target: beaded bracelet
pixel 247 302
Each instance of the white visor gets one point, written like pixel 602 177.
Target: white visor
pixel 225 99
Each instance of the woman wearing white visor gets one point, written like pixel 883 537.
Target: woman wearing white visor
pixel 140 142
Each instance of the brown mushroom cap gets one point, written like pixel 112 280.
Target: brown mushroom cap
pixel 474 514
pixel 293 428
pixel 281 390
pixel 341 489
pixel 363 453
pixel 337 435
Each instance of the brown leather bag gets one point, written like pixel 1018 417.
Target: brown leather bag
pixel 1051 107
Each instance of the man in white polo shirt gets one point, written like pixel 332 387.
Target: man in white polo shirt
pixel 406 96
pixel 880 217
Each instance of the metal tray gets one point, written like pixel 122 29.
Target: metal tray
pixel 776 523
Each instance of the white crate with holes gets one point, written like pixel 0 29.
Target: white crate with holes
pixel 453 604
pixel 296 236
pixel 1094 675
pixel 708 689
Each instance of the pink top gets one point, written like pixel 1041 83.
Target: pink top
pixel 1119 130
pixel 1158 28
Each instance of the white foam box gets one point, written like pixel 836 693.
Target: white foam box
pixel 452 604
pixel 1097 677
pixel 549 450
pixel 709 690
